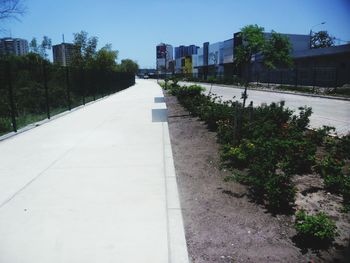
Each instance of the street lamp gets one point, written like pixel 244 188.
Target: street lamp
pixel 311 31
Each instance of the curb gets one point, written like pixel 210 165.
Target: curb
pixel 274 91
pixel 177 246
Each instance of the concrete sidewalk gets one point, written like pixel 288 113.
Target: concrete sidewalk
pixel 96 185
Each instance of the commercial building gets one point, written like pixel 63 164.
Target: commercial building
pixel 329 66
pixel 183 58
pixel 164 54
pixel 13 46
pixel 63 53
pixel 217 58
pixel 184 51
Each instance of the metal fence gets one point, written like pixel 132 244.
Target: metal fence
pixel 30 92
pixel 315 77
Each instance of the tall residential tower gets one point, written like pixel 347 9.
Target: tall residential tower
pixel 13 46
pixel 164 56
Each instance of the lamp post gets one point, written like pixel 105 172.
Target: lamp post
pixel 311 31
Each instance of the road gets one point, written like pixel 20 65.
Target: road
pixel 331 112
pixel 95 185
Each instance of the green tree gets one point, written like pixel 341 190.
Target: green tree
pixel 45 45
pixel 33 46
pixel 252 43
pixel 127 65
pixel 86 48
pixel 42 48
pixel 322 39
pixel 105 59
pixel 276 51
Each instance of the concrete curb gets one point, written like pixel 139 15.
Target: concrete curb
pixel 176 232
pixel 274 91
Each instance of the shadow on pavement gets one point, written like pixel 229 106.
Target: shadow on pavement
pixel 159 115
pixel 159 100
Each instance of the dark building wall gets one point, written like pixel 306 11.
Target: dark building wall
pixel 324 71
pixel 205 59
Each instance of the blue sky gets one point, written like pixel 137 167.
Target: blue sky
pixel 135 27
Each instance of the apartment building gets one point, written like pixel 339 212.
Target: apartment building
pixel 63 53
pixel 13 46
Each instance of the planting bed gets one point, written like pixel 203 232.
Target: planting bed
pixel 222 223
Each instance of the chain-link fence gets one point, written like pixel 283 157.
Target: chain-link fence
pixel 315 77
pixel 31 91
pixel 310 79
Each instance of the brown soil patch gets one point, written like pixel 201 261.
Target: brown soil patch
pixel 221 223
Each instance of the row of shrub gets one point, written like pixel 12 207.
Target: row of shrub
pixel 267 145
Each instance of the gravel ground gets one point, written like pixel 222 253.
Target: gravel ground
pixel 221 223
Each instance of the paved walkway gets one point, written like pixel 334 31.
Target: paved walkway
pixel 96 185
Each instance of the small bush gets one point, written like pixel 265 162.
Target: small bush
pixel 317 228
pixel 319 135
pixel 225 132
pixel 330 169
pixel 280 192
pixel 238 156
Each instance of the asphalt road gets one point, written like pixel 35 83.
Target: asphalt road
pixel 331 112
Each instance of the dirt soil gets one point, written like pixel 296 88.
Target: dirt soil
pixel 221 223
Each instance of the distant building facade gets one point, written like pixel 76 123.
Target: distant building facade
pixel 327 67
pixel 330 66
pixel 164 54
pixel 63 53
pixel 184 51
pixel 13 46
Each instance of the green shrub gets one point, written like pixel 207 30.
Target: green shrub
pixel 330 169
pixel 214 110
pixel 319 135
pixel 225 132
pixel 318 228
pixel 238 156
pixel 298 156
pixel 280 191
pixel 346 188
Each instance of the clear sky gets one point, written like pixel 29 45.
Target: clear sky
pixel 135 27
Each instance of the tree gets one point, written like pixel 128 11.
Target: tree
pixel 86 48
pixel 127 65
pixel 33 46
pixel 11 9
pixel 45 45
pixel 276 51
pixel 105 59
pixel 252 43
pixel 40 49
pixel 322 39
